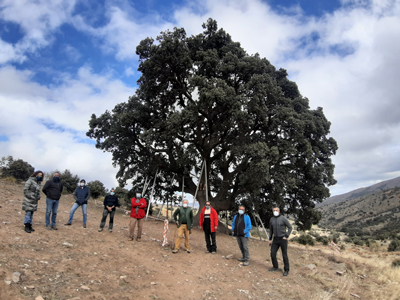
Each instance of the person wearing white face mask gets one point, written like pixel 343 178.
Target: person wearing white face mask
pixel 110 204
pixel 138 205
pixel 277 230
pixel 241 226
pixel 81 196
pixel 183 217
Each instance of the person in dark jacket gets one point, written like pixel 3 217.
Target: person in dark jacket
pixel 31 198
pixel 241 226
pixel 110 204
pixel 138 205
pixel 183 217
pixel 277 230
pixel 52 189
pixel 81 196
pixel 209 223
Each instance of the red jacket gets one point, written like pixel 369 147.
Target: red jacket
pixel 213 219
pixel 141 205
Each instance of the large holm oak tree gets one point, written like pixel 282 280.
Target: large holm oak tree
pixel 204 98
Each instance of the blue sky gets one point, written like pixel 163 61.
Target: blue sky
pixel 62 60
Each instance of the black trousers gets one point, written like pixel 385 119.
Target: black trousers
pixel 210 240
pixel 283 244
pixel 106 212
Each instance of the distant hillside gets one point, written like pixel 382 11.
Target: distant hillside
pixel 376 213
pixel 388 184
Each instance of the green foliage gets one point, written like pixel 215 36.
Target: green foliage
pixel 123 197
pixel 394 246
pixel 96 188
pixel 306 239
pixel 358 241
pixel 322 239
pixel 69 181
pixel 19 169
pixel 396 263
pixel 202 97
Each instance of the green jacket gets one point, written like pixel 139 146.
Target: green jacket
pixel 189 216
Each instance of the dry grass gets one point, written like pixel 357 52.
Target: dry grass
pixel 10 179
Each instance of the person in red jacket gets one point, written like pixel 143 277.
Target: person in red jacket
pixel 138 212
pixel 209 223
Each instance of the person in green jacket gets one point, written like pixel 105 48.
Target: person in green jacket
pixel 183 217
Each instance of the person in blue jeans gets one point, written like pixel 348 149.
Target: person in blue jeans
pixel 81 196
pixel 52 189
pixel 241 226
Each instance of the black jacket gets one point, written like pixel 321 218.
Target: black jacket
pixel 52 189
pixel 111 200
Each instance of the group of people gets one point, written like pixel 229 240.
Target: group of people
pixel 279 226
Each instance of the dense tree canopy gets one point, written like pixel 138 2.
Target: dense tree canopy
pixel 204 98
pixel 69 180
pixel 19 169
pixel 97 189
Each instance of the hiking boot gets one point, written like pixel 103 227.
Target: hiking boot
pixel 241 259
pixel 188 250
pixel 175 251
pixel 246 263
pixel 273 269
pixel 84 225
pixel 27 228
pixel 30 227
pixel 110 229
pixel 68 224
pixel 54 227
pixel 286 273
pixel 100 229
pixel 48 227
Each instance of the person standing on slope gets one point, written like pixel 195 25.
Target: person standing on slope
pixel 81 196
pixel 183 217
pixel 209 223
pixel 110 205
pixel 241 226
pixel 31 198
pixel 138 205
pixel 52 189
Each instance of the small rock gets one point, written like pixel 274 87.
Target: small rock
pixel 356 296
pixel 8 282
pixel 85 288
pixel 75 298
pixel 229 256
pixel 39 298
pixel 153 283
pixel 340 273
pixel 16 276
pixel 67 244
pixel 311 266
pixel 122 277
pixel 31 287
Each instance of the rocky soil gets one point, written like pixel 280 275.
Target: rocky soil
pixel 78 263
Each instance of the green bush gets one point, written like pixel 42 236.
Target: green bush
pixel 306 239
pixel 358 241
pixel 394 246
pixel 348 240
pixel 322 239
pixel 396 263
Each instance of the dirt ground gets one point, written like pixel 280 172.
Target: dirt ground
pixel 78 263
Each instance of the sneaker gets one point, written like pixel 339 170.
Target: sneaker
pixel 286 273
pixel 100 229
pixel 213 252
pixel 84 225
pixel 48 227
pixel 32 230
pixel 273 269
pixel 109 229
pixel 188 250
pixel 68 224
pixel 54 227
pixel 246 263
pixel 175 251
pixel 241 259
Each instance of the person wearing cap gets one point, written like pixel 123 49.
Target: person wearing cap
pixel 81 196
pixel 183 217
pixel 209 223
pixel 110 204
pixel 277 230
pixel 241 226
pixel 138 212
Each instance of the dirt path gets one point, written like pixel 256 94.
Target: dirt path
pixel 77 263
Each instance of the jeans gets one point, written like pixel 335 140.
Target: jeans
pixel 242 242
pixel 104 218
pixel 74 208
pixel 283 244
pixel 28 217
pixel 51 207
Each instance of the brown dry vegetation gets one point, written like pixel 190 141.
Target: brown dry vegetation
pixel 114 268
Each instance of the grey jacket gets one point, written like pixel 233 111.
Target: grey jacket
pixel 277 227
pixel 31 194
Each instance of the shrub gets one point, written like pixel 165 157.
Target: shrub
pixel 396 263
pixel 348 240
pixel 322 239
pixel 342 247
pixel 358 241
pixel 294 232
pixel 394 246
pixel 306 239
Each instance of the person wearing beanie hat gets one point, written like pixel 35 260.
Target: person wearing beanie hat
pixel 81 196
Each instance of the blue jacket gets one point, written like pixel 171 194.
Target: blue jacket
pixel 247 225
pixel 82 195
